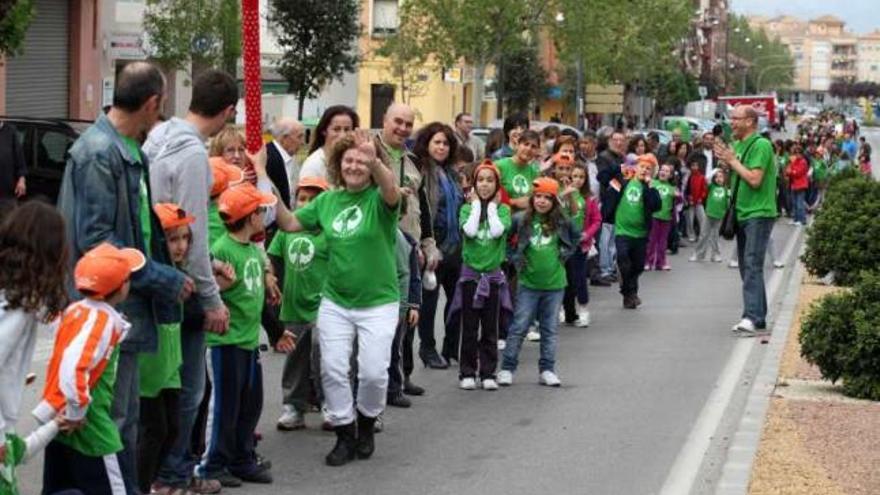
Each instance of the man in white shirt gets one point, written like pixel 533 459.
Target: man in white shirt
pixel 708 146
pixel 288 136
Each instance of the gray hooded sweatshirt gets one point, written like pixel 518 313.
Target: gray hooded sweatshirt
pixel 180 174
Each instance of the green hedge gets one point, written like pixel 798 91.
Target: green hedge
pixel 845 235
pixel 841 335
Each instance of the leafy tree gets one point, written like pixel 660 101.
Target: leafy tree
pixel 15 17
pixel 766 63
pixel 318 38
pixel 522 78
pixel 205 33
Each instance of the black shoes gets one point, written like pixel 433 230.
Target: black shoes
pixel 409 388
pixel 629 302
pixel 344 450
pixel 365 444
pixel 433 360
pixel 262 475
pixel 397 399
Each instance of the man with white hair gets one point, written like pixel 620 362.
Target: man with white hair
pixel 288 136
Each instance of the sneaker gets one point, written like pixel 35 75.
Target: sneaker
pixel 490 384
pixel 778 264
pixel 717 259
pixel 647 268
pixel 206 486
pixel 291 419
pixel 467 383
pixel 637 299
pixel 667 268
pixel 629 302
pixel 733 264
pixel 505 378
pixel 260 475
pixel 533 336
pixel 228 480
pixel 583 317
pixel 693 258
pixel 398 400
pixel 549 379
pixel 561 316
pixel 744 326
pixel 502 344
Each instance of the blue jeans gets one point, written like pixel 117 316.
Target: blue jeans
pixel 607 250
pixel 800 206
pixel 531 304
pixel 177 468
pixel 752 237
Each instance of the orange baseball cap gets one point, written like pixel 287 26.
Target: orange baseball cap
pixel 545 185
pixel 172 216
pixel 224 175
pixel 105 268
pixel 242 200
pixel 313 182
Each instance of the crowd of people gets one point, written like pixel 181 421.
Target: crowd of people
pixel 172 249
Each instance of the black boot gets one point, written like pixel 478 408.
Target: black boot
pixel 365 443
pixel 433 360
pixel 409 388
pixel 344 450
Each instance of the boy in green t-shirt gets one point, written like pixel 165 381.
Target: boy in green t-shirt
pixel 234 357
pixel 304 257
pixel 716 206
pixel 520 170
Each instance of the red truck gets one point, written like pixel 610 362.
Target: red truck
pixel 764 104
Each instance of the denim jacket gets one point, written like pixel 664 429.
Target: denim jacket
pixel 99 200
pixel 569 237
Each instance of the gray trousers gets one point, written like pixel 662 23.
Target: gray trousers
pixel 709 239
pixel 301 377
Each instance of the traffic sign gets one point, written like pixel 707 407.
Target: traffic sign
pixel 704 91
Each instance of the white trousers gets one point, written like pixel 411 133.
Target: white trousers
pixel 337 328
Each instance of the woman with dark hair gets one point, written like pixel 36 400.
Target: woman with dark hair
pixel 514 125
pixel 336 122
pixel 638 145
pixel 435 151
pixel 494 141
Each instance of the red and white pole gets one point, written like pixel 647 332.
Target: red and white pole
pixel 250 40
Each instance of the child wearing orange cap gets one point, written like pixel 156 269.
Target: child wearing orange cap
pixel 159 371
pixel 233 357
pixel 546 238
pixel 482 294
pixel 304 257
pixel 82 373
pixel 224 176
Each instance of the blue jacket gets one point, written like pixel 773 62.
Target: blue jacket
pixel 99 200
pixel 569 238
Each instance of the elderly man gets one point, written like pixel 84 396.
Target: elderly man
pixel 464 124
pixel 105 197
pixel 610 159
pixel 288 136
pixel 754 173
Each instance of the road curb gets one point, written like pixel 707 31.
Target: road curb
pixel 740 456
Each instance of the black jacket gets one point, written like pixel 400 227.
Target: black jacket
pixel 611 197
pixel 278 173
pixel 12 164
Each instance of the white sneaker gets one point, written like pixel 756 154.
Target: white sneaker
pixel 583 317
pixel 467 383
pixel 504 378
pixel 533 336
pixel 744 326
pixel 693 258
pixel 733 264
pixel 291 419
pixel 561 315
pixel 490 384
pixel 717 259
pixel 778 264
pixel 502 344
pixel 549 379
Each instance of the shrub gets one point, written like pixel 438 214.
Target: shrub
pixel 845 235
pixel 841 335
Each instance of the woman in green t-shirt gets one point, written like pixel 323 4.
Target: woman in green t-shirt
pixel 361 296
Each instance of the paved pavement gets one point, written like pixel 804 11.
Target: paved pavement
pixel 633 385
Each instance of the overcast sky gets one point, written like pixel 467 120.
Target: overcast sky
pixel 861 16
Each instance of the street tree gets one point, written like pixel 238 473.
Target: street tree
pixel 15 17
pixel 473 32
pixel 408 60
pixel 521 81
pixel 765 63
pixel 203 33
pixel 318 42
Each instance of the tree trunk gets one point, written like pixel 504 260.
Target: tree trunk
pixel 477 96
pixel 301 106
pixel 499 89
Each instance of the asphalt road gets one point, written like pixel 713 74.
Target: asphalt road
pixel 633 384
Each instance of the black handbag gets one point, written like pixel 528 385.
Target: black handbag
pixel 729 223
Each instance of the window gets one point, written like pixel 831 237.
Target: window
pixel 52 149
pixel 385 17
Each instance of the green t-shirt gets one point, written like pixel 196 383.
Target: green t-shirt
pixel 143 197
pixel 245 297
pixel 760 202
pixel 543 269
pixel 361 234
pixel 820 170
pixel 305 270
pixel 579 217
pixel 717 201
pixel 517 180
pixel 99 436
pixel 667 195
pixel 216 229
pixel 482 253
pixel 629 220
pixel 161 369
pixel 16 448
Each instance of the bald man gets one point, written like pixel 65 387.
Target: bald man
pixel 288 136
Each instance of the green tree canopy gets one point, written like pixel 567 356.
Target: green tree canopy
pixel 15 17
pixel 765 63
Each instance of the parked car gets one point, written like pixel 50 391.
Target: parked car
pixel 46 143
pixel 665 136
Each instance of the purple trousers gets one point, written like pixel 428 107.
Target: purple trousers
pixel 657 241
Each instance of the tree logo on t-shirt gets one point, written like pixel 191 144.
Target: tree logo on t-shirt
pixel 539 239
pixel 253 275
pixel 633 194
pixel 348 221
pixel 520 185
pixel 718 193
pixel 483 234
pixel 300 253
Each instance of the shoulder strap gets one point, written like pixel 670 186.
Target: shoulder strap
pixel 737 179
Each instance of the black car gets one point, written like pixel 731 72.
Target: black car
pixel 46 143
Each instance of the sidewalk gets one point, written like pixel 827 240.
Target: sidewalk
pixel 814 439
